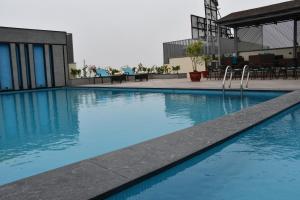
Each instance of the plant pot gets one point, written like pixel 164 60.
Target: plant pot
pixel 205 74
pixel 195 76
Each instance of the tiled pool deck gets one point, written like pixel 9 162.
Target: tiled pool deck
pixel 103 175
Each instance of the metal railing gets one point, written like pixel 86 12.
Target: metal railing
pixel 225 77
pixel 246 68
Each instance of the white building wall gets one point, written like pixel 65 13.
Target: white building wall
pixel 185 65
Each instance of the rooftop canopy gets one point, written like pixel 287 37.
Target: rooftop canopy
pixel 262 15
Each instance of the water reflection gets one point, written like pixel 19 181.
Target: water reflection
pixel 206 107
pixel 36 120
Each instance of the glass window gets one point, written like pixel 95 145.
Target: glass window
pixel 39 66
pixel 19 66
pixel 27 65
pixel 5 67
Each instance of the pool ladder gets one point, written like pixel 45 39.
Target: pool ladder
pixel 245 70
pixel 229 69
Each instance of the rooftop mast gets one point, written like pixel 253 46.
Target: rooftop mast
pixel 207 29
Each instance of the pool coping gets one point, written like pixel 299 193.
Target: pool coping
pixel 145 88
pixel 179 88
pixel 106 174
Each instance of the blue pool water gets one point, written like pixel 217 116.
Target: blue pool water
pixel 261 163
pixel 46 129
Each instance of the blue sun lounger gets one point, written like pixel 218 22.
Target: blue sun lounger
pixel 103 73
pixel 128 71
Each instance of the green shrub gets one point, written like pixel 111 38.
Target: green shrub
pixel 195 52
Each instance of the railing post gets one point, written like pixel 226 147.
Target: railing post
pixel 295 42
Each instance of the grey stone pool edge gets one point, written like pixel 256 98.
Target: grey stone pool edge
pixel 103 175
pixel 180 89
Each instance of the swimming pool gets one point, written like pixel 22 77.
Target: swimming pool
pixel 47 129
pixel 261 163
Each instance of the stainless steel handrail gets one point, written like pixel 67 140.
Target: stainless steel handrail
pixel 246 68
pixel 225 77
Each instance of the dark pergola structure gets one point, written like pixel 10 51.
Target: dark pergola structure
pixel 269 27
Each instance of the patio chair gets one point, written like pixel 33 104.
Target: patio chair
pixel 213 71
pixel 258 67
pixel 225 61
pixel 268 62
pixel 262 66
pixel 297 68
pixel 237 64
pixel 128 71
pixel 286 67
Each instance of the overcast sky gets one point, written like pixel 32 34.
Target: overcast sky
pixel 115 32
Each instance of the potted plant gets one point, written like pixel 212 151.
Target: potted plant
pixel 165 69
pixel 151 69
pixel 141 68
pixel 176 68
pixel 159 70
pixel 84 70
pixel 75 73
pixel 195 52
pixel 113 71
pixel 92 70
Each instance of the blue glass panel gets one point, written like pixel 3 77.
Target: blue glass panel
pixel 5 68
pixel 51 66
pixel 27 66
pixel 19 66
pixel 39 63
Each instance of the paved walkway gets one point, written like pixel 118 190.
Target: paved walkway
pixel 207 84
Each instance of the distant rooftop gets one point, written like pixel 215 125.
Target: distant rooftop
pixel 30 29
pixel 267 14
